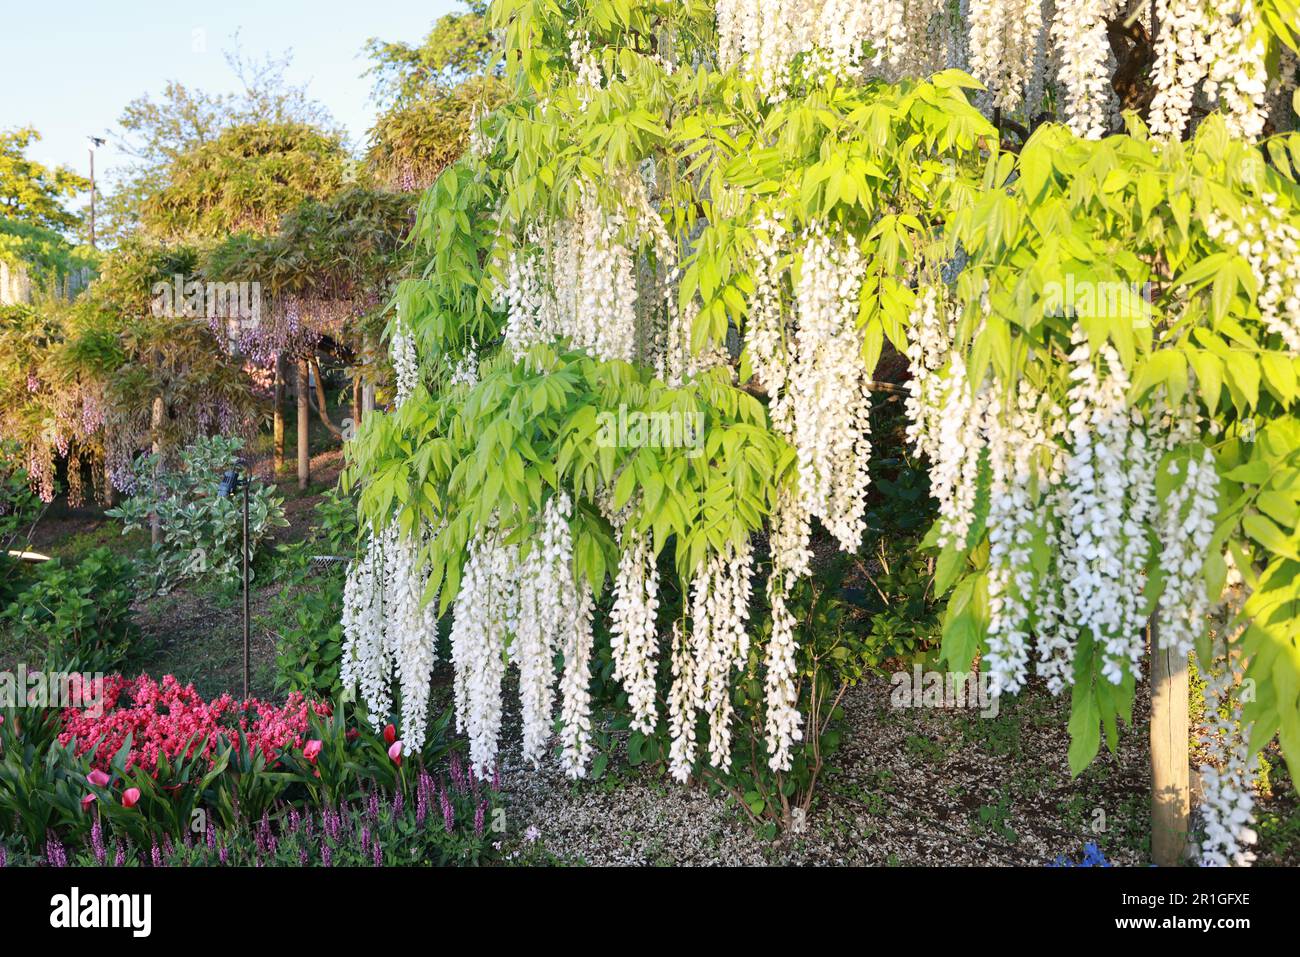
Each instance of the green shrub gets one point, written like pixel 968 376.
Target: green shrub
pixel 73 617
pixel 19 510
pixel 202 530
pixel 308 613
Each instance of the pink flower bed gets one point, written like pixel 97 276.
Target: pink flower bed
pixel 163 719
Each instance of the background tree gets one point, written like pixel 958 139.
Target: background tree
pixel 244 180
pixel 326 274
pixel 32 193
pixel 156 132
pixel 428 94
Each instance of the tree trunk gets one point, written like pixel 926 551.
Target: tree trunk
pixel 156 423
pixel 356 407
pixel 304 420
pixel 277 425
pixel 322 403
pixel 368 389
pixel 110 493
pixel 1170 760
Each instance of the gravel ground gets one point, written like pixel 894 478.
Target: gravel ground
pixel 923 786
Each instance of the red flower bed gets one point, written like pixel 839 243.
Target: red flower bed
pixel 163 719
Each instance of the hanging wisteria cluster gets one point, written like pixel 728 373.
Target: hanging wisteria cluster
pixel 524 610
pixel 1083 476
pixel 574 280
pixel 389 631
pixel 829 393
pixel 1215 49
pixel 1227 776
pixel 1205 52
pixel 842 38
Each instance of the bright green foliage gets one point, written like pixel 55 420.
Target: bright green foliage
pixel 44 253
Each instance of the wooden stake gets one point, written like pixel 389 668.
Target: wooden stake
pixel 1170 758
pixel 277 424
pixel 304 420
pixel 159 414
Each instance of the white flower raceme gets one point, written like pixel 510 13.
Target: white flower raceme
pixel 575 686
pixel 1213 47
pixel 954 469
pixel 1017 443
pixel 545 607
pixel 718 645
pixel 465 371
pixel 1057 631
pixel 1186 528
pixel 366 662
pixel 1110 473
pixel 765 330
pixel 389 631
pixel 791 558
pixel 1079 32
pixel 929 340
pixel 1236 76
pixel 1227 777
pixel 586 66
pixel 1271 245
pixel 528 608
pixel 683 704
pixel 1004 38
pixel 904 37
pixel 412 628
pixel 828 386
pixel 1182 54
pixel 485 613
pixel 634 635
pixel 405 364
pixel 574 280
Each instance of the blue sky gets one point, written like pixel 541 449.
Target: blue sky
pixel 69 67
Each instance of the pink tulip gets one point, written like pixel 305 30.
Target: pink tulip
pixel 130 797
pixel 98 778
pixel 87 801
pixel 390 734
pixel 311 751
pixel 395 752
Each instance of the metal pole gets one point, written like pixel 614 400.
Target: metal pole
pixel 92 197
pixel 246 607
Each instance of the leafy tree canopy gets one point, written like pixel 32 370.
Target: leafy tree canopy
pixel 244 180
pixel 431 93
pixel 31 192
pixel 157 132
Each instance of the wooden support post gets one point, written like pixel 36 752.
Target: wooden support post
pixel 1170 757
pixel 304 420
pixel 156 424
pixel 277 423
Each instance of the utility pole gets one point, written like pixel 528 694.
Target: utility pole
pixel 94 142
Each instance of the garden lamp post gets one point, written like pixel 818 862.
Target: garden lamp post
pixel 95 141
pixel 237 478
